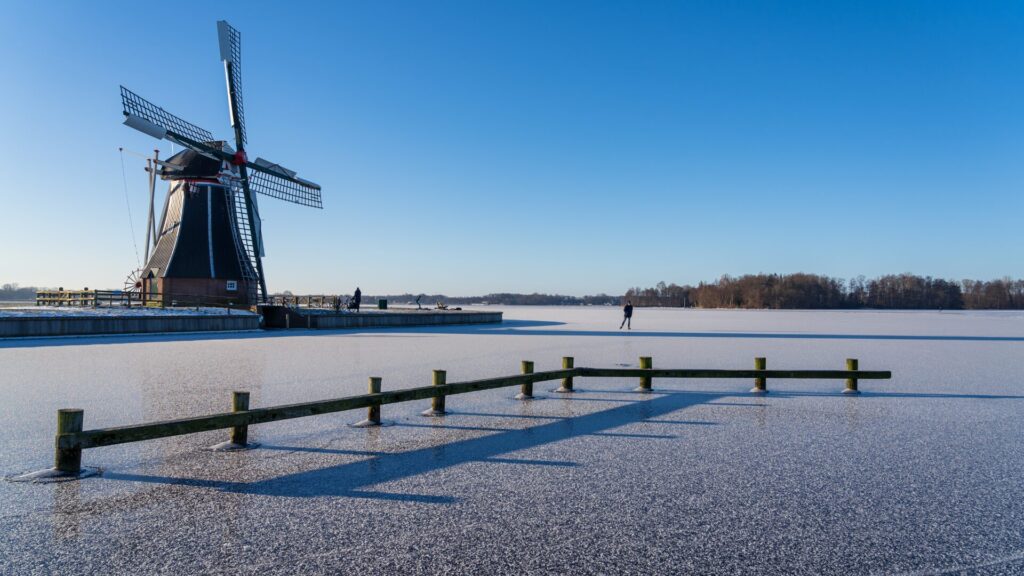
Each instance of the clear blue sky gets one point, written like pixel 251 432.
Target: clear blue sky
pixel 471 147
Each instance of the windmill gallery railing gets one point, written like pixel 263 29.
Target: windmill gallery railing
pixel 71 439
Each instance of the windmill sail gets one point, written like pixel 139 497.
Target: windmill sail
pixel 231 54
pixel 277 182
pixel 146 117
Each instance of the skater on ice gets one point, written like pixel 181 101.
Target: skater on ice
pixel 627 315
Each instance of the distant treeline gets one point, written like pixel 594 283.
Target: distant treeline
pixel 811 291
pixel 429 300
pixel 778 291
pixel 15 292
pixel 527 299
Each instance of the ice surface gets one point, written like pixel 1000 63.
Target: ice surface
pixel 919 474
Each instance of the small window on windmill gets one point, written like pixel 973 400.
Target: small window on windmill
pixel 232 285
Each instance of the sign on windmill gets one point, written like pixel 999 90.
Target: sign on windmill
pixel 210 246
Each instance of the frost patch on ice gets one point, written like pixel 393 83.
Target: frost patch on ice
pixel 51 475
pixel 229 446
pixel 367 423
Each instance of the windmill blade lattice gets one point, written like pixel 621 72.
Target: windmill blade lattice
pixel 231 52
pixel 135 105
pixel 283 187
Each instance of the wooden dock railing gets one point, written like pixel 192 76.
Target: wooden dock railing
pixel 76 298
pixel 126 299
pixel 324 301
pixel 71 439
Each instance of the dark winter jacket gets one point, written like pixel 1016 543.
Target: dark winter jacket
pixel 628 310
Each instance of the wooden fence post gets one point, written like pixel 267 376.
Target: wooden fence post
pixel 760 384
pixel 68 460
pixel 646 363
pixel 373 412
pixel 851 383
pixel 567 364
pixel 240 403
pixel 437 402
pixel 526 390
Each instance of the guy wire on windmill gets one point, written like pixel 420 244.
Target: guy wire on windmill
pixel 208 246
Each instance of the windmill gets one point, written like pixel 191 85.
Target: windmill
pixel 209 242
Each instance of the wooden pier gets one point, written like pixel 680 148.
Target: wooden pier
pixel 327 319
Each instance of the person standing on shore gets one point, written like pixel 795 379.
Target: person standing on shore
pixel 357 298
pixel 627 315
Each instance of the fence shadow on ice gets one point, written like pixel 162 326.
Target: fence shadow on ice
pixel 356 479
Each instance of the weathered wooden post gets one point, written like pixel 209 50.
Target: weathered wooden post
pixel 373 412
pixel 760 384
pixel 240 403
pixel 567 364
pixel 526 390
pixel 437 402
pixel 646 363
pixel 68 460
pixel 851 383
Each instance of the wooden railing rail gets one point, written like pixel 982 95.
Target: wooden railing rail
pixel 715 373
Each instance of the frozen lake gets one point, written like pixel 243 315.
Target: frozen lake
pixel 921 474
